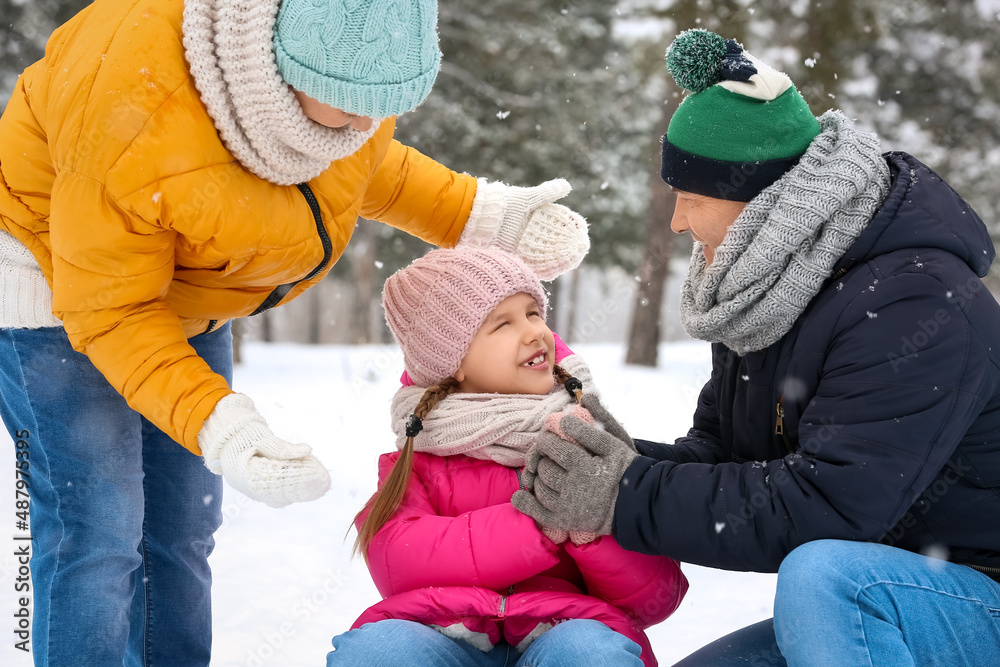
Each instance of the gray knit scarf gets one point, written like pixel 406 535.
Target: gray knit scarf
pixel 494 427
pixel 229 48
pixel 776 256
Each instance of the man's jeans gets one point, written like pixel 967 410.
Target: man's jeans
pixel 856 604
pixel 122 517
pixel 396 643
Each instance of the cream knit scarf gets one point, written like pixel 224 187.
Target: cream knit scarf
pixel 495 427
pixel 782 249
pixel 229 47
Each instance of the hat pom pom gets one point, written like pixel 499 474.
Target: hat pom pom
pixel 694 59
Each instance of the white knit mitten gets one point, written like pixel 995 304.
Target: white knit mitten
pixel 236 443
pixel 550 238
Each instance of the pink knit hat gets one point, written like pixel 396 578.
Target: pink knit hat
pixel 436 305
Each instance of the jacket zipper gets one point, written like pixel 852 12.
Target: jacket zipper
pixel 991 572
pixel 779 425
pixel 510 591
pixel 281 291
pixel 211 327
pixel 503 601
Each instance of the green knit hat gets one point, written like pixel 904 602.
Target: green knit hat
pixel 375 58
pixel 742 126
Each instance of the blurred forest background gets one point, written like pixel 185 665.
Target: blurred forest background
pixel 532 90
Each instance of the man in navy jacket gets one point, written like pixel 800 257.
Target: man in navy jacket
pixel 849 437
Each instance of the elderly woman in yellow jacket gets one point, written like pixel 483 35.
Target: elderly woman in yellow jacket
pixel 167 166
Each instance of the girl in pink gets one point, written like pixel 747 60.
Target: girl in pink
pixel 467 579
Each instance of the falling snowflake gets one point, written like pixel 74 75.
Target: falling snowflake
pixel 938 553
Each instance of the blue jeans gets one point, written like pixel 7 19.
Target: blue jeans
pixel 395 643
pixel 122 517
pixel 856 603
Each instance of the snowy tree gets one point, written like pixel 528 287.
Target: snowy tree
pixel 940 99
pixel 924 75
pixel 660 245
pixel 532 90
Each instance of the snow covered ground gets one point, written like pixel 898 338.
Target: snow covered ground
pixel 284 579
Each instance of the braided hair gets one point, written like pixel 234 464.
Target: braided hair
pixel 387 499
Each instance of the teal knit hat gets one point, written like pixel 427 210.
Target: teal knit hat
pixel 375 58
pixel 742 126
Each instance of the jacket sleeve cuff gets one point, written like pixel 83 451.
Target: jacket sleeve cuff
pixel 632 507
pixel 486 216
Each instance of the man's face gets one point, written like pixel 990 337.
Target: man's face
pixel 706 218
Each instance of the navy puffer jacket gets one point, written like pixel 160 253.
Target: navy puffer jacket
pixel 876 418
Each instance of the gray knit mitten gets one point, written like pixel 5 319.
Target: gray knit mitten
pixel 602 419
pixel 575 485
pixel 605 419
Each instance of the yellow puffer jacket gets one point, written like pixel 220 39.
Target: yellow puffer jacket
pixel 148 230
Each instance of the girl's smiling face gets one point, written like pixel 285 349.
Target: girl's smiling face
pixel 512 353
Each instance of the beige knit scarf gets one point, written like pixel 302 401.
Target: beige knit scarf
pixel 494 427
pixel 229 47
